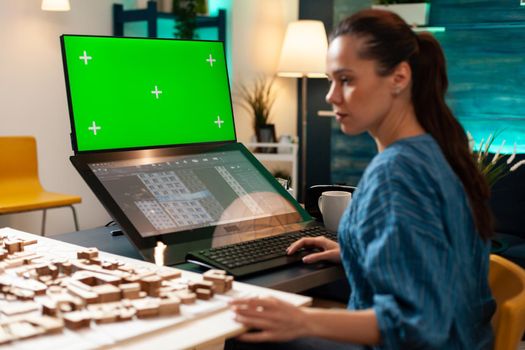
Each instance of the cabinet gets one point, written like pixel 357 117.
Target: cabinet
pixel 288 154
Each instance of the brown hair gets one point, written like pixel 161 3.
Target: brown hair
pixel 390 41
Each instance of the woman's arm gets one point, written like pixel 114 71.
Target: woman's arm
pixel 277 320
pixel 358 327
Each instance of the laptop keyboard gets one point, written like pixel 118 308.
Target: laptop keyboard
pixel 245 258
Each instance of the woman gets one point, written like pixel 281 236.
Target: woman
pixel 414 240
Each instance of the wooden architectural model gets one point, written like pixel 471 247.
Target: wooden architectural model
pixel 42 295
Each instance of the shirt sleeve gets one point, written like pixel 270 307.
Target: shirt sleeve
pixel 408 262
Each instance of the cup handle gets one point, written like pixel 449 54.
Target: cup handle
pixel 320 203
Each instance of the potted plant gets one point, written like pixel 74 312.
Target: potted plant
pixel 414 12
pixel 185 12
pixel 494 168
pixel 258 100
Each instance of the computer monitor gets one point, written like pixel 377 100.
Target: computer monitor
pixel 190 197
pixel 134 93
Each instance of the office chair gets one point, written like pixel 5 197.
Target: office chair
pixel 507 282
pixel 20 188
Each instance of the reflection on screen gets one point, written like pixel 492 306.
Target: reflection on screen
pixel 177 193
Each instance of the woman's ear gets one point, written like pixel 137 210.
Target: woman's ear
pixel 401 78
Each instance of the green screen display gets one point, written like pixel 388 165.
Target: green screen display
pixel 139 93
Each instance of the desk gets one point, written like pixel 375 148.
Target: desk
pixel 197 324
pixel 293 279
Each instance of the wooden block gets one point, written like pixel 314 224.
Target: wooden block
pixel 12 263
pixel 29 242
pixel 214 278
pixel 65 308
pixel 76 320
pixel 101 316
pixel 74 302
pixel 23 294
pixel 130 290
pixel 5 337
pixel 85 277
pixel 125 268
pixel 169 306
pixel 203 294
pixel 102 278
pixel 126 313
pixel 25 254
pixel 93 278
pixel 66 268
pixel 146 307
pixel 95 261
pixel 53 271
pixel 215 272
pixel 186 297
pixel 54 289
pixel 108 265
pixel 51 325
pixel 42 270
pixel 29 259
pixel 3 254
pixel 49 308
pixel 169 274
pixel 30 284
pixel 24 330
pixel 219 288
pixel 18 308
pixel 83 291
pixel 44 279
pixel 107 293
pixel 88 253
pixel 192 285
pixel 13 246
pixel 218 278
pixel 151 285
pixel 113 265
pixel 78 265
pixel 229 282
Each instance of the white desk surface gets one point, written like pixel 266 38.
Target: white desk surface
pixel 200 329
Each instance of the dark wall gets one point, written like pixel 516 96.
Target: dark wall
pixel 508 202
pixel 350 155
pixel 318 129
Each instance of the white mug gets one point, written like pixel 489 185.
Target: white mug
pixel 332 204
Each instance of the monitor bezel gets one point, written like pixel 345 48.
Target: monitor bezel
pixel 177 239
pixel 73 134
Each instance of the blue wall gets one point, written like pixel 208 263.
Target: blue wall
pixel 484 45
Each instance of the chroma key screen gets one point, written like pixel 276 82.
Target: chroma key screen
pixel 139 93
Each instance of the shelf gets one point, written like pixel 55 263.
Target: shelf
pixel 274 157
pixel 150 15
pixel 279 157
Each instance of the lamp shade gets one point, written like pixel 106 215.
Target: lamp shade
pixel 304 50
pixel 55 5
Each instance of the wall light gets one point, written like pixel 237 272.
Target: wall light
pixel 55 5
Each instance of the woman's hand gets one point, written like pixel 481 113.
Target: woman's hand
pixel 329 249
pixel 276 320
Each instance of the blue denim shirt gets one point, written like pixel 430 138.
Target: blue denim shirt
pixel 411 252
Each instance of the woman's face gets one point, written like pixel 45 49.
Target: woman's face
pixel 360 97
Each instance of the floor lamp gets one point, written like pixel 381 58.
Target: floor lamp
pixel 303 55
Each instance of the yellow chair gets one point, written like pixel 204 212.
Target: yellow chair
pixel 507 282
pixel 20 188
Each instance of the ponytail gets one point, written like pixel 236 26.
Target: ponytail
pixel 429 85
pixel 390 41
